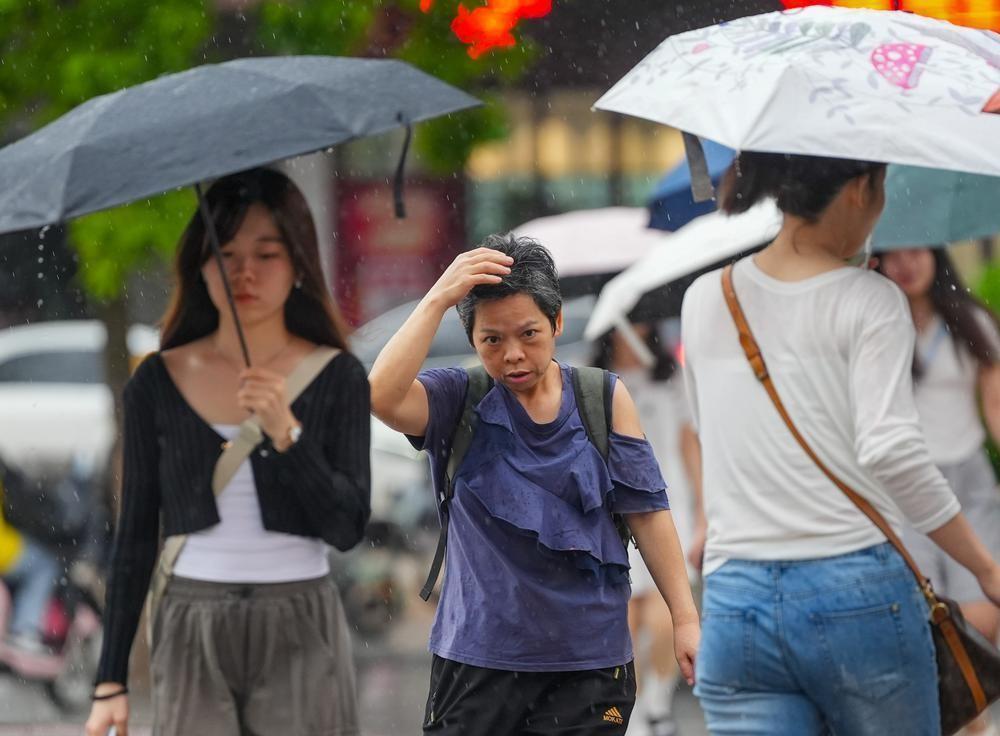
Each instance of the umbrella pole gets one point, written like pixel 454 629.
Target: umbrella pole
pixel 635 342
pixel 213 239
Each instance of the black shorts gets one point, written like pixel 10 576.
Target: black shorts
pixel 476 701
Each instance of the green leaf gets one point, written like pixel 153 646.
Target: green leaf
pixel 115 243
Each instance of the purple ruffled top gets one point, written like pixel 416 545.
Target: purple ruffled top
pixel 536 574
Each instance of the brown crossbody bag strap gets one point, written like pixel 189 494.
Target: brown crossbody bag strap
pixel 939 613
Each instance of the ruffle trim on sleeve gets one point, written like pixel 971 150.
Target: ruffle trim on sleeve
pixel 635 475
pixel 570 517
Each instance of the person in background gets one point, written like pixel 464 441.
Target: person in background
pixel 658 392
pixel 956 372
pixel 531 632
pixel 249 636
pixel 33 572
pixel 812 622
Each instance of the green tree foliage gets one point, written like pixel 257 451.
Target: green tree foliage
pixel 988 286
pixel 114 244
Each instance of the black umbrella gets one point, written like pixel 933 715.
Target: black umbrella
pixel 181 129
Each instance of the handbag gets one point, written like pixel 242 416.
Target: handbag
pixel 968 665
pixel 233 454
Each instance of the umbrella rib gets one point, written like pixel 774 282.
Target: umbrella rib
pixel 71 163
pixel 764 108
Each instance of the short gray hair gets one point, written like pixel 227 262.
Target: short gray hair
pixel 533 273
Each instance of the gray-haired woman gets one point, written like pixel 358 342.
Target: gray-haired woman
pixel 531 634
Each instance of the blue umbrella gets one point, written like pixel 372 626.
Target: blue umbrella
pixel 930 207
pixel 672 205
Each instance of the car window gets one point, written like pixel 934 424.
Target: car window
pixel 57 366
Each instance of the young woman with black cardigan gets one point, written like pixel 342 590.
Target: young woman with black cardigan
pixel 249 636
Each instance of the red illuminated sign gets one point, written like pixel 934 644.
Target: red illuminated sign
pixel 972 13
pixel 492 25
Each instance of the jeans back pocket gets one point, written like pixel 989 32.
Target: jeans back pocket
pixel 865 650
pixel 726 652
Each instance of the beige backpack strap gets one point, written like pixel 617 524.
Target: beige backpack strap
pixel 250 434
pixel 234 453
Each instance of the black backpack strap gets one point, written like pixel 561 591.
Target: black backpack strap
pixel 594 394
pixel 592 389
pixel 478 386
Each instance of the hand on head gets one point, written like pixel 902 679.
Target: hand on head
pixel 468 270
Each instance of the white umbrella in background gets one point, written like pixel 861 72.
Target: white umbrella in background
pixel 699 244
pixel 594 242
pixel 591 246
pixel 862 84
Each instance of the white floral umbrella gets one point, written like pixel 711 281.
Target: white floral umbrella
pixel 862 84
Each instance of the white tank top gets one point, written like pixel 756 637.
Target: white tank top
pixel 239 549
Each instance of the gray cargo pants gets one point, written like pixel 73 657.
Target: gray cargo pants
pixel 252 660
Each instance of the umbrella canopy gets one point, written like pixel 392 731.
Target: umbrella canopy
pixel 704 242
pixel 672 205
pixel 205 123
pixel 597 242
pixel 861 84
pixel 934 208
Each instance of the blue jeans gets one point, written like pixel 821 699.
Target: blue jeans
pixel 35 574
pixel 839 645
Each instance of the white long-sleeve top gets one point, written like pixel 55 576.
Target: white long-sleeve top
pixel 839 348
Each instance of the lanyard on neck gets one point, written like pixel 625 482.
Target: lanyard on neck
pixel 928 355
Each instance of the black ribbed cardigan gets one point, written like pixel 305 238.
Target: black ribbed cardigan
pixel 319 487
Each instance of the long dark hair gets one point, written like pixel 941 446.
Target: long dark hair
pixel 310 311
pixel 801 185
pixel 959 309
pixel 663 368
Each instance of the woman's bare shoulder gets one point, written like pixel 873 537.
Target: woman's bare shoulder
pixel 187 358
pixel 301 347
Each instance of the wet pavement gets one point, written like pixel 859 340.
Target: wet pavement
pixel 393 677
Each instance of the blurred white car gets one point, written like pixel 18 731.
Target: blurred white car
pixel 54 403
